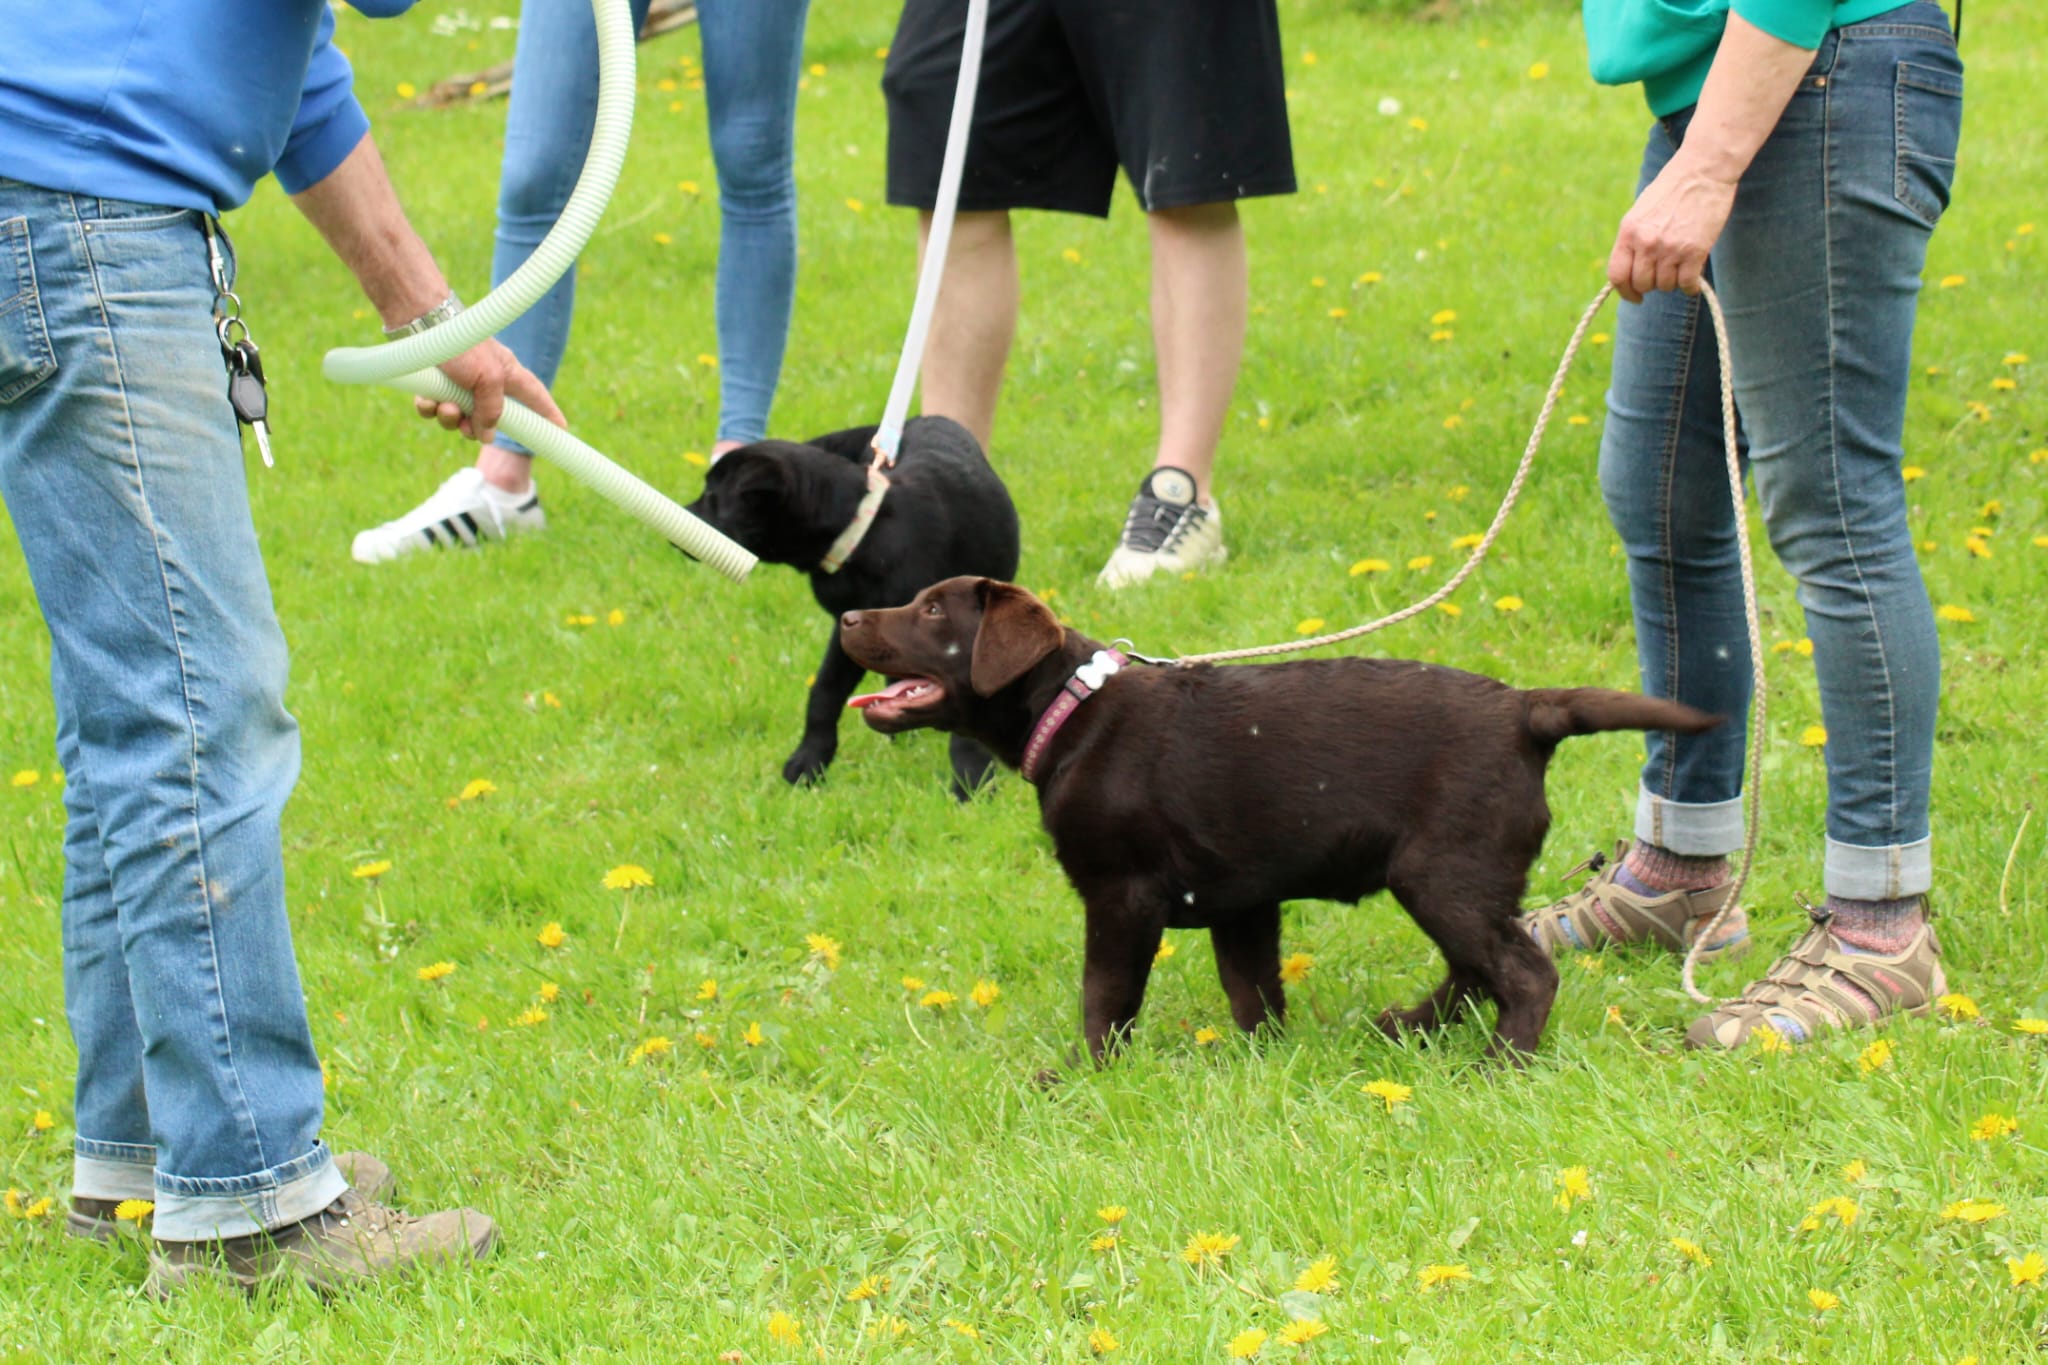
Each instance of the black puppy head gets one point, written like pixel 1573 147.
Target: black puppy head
pixel 745 492
pixel 957 642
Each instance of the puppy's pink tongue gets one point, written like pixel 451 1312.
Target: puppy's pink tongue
pixel 899 688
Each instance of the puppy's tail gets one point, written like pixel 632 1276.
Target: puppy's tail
pixel 1557 713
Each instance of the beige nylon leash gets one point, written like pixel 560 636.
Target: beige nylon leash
pixel 1753 789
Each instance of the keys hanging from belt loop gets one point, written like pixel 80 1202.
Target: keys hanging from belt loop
pixel 247 394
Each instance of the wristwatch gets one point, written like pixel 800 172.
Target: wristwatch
pixel 433 317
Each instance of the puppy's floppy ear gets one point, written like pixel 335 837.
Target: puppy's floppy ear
pixel 1017 630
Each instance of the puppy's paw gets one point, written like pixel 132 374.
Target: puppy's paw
pixel 806 766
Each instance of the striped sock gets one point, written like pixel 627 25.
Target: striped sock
pixel 1652 871
pixel 1880 927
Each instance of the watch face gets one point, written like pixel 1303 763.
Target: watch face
pixel 1172 485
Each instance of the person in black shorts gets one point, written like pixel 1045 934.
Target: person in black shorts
pixel 1188 97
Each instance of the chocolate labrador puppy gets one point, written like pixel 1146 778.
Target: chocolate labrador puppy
pixel 1203 797
pixel 945 513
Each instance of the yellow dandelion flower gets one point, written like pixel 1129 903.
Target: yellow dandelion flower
pixel 1302 1331
pixel 1365 566
pixel 1450 609
pixel 1599 338
pixel 2026 1270
pixel 134 1210
pixel 1420 125
pixel 784 1329
pixel 549 992
pixel 967 1330
pixel 1443 317
pixel 985 993
pixel 406 90
pixel 2023 229
pixel 1371 277
pixel 1822 1301
pixel 27 777
pixel 1458 493
pixel 1316 282
pixel 1813 736
pixel 855 205
pixel 1912 473
pixel 707 989
pixel 888 1325
pixel 687 186
pixel 12 1200
pixel 704 1040
pixel 1467 541
pixel 1954 281
pixel 1958 1006
pixel 1838 1207
pixel 1538 70
pixel 1296 967
pixel 1340 313
pixel 817 68
pixel 1691 1250
pixel 1992 1126
pixel 1878 1054
pixel 1960 615
pixel 1308 59
pixel 2003 385
pixel 1308 625
pixel 1978 547
pixel 662 239
pixel 551 935
pixel 532 1015
pixel 1208 1248
pixel 1854 1172
pixel 615 617
pixel 549 699
pixel 1393 1092
pixel 937 1000
pixel 1768 1041
pixel 1246 1344
pixel 2032 1026
pixel 1508 603
pixel 1166 950
pixel 866 1289
pixel 1319 1278
pixel 753 1037
pixel 1578 419
pixel 1105 1241
pixel 1112 1213
pixel 824 948
pixel 1421 562
pixel 40 1209
pixel 657 1046
pixel 1071 256
pixel 913 984
pixel 626 876
pixel 2038 456
pixel 1803 648
pixel 1431 1276
pixel 1442 334
pixel 1100 1341
pixel 1973 1211
pixel 1573 1186
pixel 1205 1036
pixel 436 971
pixel 372 870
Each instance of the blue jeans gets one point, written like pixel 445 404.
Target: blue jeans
pixel 753 57
pixel 121 465
pixel 1819 271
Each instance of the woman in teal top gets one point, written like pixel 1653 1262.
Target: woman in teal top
pixel 1802 154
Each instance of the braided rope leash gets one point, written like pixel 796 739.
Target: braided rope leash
pixel 1754 787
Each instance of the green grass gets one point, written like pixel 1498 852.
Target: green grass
pixel 663 1211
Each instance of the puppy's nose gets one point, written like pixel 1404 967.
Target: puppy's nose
pixel 850 621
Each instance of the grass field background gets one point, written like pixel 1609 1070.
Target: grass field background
pixel 881 1171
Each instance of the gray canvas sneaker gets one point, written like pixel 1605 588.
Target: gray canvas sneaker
pixel 1167 531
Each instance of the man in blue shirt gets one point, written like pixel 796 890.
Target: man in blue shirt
pixel 123 130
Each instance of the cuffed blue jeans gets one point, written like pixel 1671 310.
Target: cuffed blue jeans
pixel 121 466
pixel 753 58
pixel 1819 273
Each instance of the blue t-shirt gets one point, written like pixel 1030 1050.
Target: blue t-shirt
pixel 186 103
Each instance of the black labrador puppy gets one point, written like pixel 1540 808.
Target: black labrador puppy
pixel 946 513
pixel 1203 797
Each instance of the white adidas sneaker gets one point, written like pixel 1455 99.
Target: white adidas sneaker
pixel 1167 531
pixel 464 511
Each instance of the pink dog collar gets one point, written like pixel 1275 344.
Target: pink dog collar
pixel 1086 682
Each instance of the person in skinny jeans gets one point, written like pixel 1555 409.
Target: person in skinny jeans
pixel 1799 163
pixel 753 51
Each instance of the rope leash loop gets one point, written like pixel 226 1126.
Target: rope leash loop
pixel 1753 788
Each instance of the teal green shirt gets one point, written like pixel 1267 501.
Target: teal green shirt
pixel 1669 44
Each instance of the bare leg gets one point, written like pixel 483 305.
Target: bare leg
pixel 1199 306
pixel 505 469
pixel 972 326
